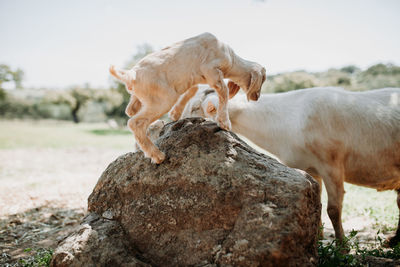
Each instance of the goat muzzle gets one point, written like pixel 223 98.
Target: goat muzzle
pixel 253 96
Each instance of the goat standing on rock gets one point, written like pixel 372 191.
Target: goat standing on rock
pixel 335 135
pixel 159 79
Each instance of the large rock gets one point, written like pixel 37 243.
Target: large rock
pixel 214 200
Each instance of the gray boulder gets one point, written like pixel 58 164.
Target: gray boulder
pixel 214 201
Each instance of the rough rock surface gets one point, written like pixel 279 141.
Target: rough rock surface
pixel 214 201
pixel 97 242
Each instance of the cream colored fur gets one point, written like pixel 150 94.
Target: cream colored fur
pixel 159 79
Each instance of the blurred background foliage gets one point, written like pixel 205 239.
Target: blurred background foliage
pixel 77 103
pixel 84 103
pixel 349 77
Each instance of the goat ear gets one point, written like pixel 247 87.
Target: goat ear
pixel 211 109
pixel 233 89
pixel 252 81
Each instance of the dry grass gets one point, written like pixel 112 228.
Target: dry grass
pixel 47 171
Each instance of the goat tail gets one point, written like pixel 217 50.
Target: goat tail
pixel 123 75
pixel 117 73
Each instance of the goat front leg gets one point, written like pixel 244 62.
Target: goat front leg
pixel 177 110
pixel 215 79
pixel 393 241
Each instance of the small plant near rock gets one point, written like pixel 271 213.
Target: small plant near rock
pixel 334 253
pixel 41 258
pixel 380 250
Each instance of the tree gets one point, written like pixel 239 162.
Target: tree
pixel 18 76
pixel 379 76
pixel 2 94
pixel 75 98
pixel 8 75
pixel 5 74
pixel 382 69
pixel 350 69
pixel 290 81
pixel 112 101
pixel 334 77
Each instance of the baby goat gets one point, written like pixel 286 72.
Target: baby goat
pixel 333 134
pixel 159 79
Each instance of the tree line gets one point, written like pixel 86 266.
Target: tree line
pixel 90 104
pixel 349 77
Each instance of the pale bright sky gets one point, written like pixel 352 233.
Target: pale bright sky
pixel 64 43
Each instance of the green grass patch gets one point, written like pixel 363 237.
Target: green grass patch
pixel 41 257
pixel 333 254
pixel 103 132
pixel 61 134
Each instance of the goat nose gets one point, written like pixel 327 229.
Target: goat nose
pixel 254 96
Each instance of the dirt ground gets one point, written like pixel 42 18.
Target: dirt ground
pixel 43 196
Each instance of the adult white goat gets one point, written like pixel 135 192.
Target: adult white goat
pixel 333 134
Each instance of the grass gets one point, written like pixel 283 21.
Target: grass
pixel 61 134
pixel 41 257
pixel 104 132
pixel 332 254
pixel 379 208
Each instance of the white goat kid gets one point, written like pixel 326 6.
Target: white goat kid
pixel 333 134
pixel 158 80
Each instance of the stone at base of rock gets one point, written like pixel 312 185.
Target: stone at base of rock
pixel 97 242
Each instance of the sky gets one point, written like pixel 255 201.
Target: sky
pixel 59 44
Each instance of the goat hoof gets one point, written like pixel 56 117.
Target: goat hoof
pixel 158 158
pixel 174 115
pixel 392 242
pixel 129 114
pixel 226 125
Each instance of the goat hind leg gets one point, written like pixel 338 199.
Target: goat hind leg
pixel 139 125
pixel 335 189
pixel 393 241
